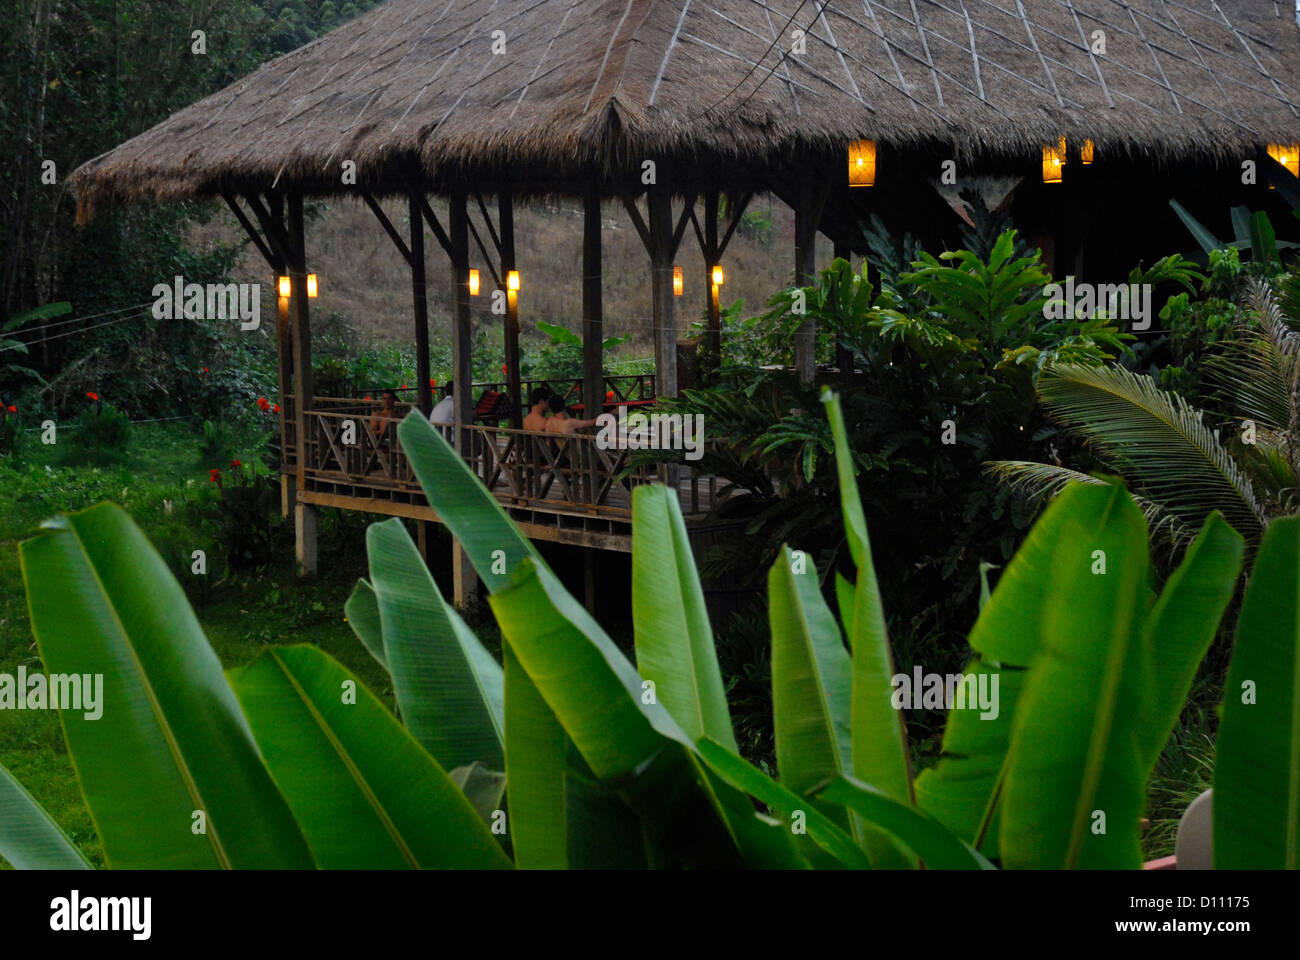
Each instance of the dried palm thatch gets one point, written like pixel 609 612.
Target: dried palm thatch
pixel 593 87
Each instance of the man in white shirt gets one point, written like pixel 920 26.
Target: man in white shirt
pixel 444 412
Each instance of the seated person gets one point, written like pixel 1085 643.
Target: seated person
pixel 379 423
pixel 561 422
pixel 537 400
pixel 444 412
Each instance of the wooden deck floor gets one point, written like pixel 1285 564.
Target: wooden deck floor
pixel 607 526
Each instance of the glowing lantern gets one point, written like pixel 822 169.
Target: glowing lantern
pixel 679 281
pixel 862 163
pixel 282 286
pixel 311 285
pixel 1053 161
pixel 512 281
pixel 1086 154
pixel 473 283
pixel 1288 155
pixel 717 276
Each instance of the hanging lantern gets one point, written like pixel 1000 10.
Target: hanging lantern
pixel 717 276
pixel 679 281
pixel 1053 161
pixel 512 281
pixel 1288 155
pixel 311 285
pixel 473 283
pixel 862 163
pixel 282 286
pixel 1086 154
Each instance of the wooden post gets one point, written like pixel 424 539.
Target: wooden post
pixel 593 374
pixel 843 355
pixel 805 268
pixel 284 370
pixel 661 252
pixel 464 580
pixel 304 513
pixel 506 218
pixel 712 256
pixel 419 297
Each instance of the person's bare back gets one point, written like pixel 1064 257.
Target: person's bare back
pixel 561 422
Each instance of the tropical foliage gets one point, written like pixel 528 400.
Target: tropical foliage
pixel 292 762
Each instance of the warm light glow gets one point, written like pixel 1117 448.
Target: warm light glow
pixel 717 276
pixel 679 281
pixel 1086 154
pixel 311 285
pixel 862 163
pixel 282 286
pixel 512 280
pixel 1287 154
pixel 473 283
pixel 1053 160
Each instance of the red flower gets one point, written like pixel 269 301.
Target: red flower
pixel 262 404
pixel 609 394
pixel 12 408
pixel 405 387
pixel 205 369
pixel 369 397
pixel 276 408
pixel 432 384
pixel 235 464
pixel 215 474
pixel 92 396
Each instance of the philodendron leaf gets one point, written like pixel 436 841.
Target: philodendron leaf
pixel 167 764
pixel 367 795
pixel 29 837
pixel 449 689
pixel 1076 781
pixel 674 642
pixel 1256 806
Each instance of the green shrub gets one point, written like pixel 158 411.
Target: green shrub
pixel 101 435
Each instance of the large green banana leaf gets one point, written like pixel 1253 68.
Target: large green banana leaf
pixel 1076 783
pixel 449 689
pixel 1256 806
pixel 812 681
pixel 29 837
pixel 674 642
pixel 365 793
pixel 170 771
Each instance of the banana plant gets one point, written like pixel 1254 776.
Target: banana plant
pixel 291 762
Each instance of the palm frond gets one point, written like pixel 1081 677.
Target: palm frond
pixel 1155 440
pixel 1041 482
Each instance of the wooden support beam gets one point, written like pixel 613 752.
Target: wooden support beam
pixel 415 187
pixel 506 246
pixel 274 262
pixel 387 224
pixel 735 222
pixel 593 319
pixel 663 240
pixel 487 258
pixel 712 257
pixel 487 221
pixel 277 235
pixel 629 203
pixel 420 300
pixel 464 580
pixel 807 217
pixel 304 513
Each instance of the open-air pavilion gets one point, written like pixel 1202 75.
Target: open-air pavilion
pixel 1082 116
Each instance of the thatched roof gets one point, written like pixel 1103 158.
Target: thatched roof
pixel 604 84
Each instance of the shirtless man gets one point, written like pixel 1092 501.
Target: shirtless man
pixel 379 422
pixel 536 419
pixel 561 422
